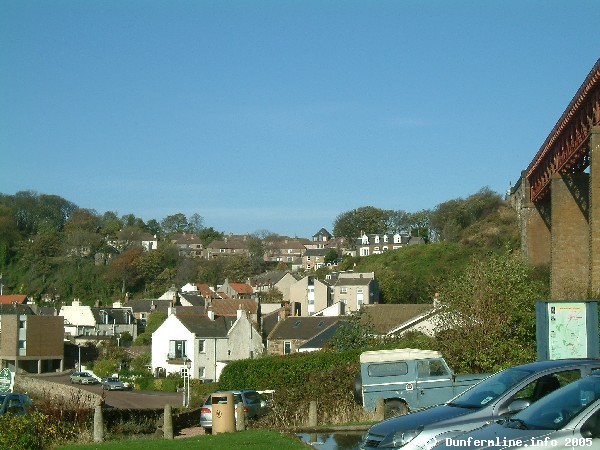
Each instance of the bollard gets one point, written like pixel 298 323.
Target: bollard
pixel 168 423
pixel 240 417
pixel 380 409
pixel 98 425
pixel 312 414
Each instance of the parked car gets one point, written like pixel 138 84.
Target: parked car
pixel 254 406
pixel 565 419
pixel 407 379
pixel 496 397
pixel 113 384
pixel 14 403
pixel 83 378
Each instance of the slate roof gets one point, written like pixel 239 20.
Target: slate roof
pixel 385 318
pixel 193 299
pixel 269 322
pixel 322 338
pixel 317 251
pixel 145 305
pixel 302 328
pixel 10 308
pixel 120 316
pixel 353 281
pixel 272 277
pixel 202 326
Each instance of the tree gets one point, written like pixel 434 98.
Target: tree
pixel 124 269
pixel 488 314
pixel 450 218
pixel 207 235
pixel 155 320
pixel 353 334
pixel 176 223
pixel 110 224
pixel 366 219
pixel 331 256
pixel 195 223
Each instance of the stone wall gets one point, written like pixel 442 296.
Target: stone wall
pixel 63 393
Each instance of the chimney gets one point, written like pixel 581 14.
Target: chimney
pixel 240 311
pixel 117 304
pixel 284 312
pixel 126 297
pixel 210 313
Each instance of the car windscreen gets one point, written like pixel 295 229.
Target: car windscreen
pixel 558 408
pixel 490 388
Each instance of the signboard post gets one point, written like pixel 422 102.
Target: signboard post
pixel 567 329
pixel 7 380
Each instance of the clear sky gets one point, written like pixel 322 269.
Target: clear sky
pixel 280 115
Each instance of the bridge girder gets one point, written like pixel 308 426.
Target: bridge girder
pixel 566 149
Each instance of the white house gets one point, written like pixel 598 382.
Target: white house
pixel 207 343
pixel 78 318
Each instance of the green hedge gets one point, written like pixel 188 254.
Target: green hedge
pixel 169 384
pixel 275 372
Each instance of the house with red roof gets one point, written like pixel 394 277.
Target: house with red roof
pixel 236 290
pixel 14 299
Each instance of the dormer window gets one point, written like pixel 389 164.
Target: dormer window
pixel 385 238
pixel 397 239
pixel 365 239
pixel 377 239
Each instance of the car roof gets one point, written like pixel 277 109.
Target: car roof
pixel 558 363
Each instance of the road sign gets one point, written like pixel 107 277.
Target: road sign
pixel 6 380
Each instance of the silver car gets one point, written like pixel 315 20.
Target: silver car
pixel 83 378
pixel 565 419
pixel 254 406
pixel 113 384
pixel 494 398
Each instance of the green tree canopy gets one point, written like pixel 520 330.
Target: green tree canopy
pixel 488 314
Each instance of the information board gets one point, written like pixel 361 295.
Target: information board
pixel 567 329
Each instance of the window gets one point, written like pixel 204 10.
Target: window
pixel 431 368
pixel 201 372
pixel 388 369
pixel 343 290
pixel 287 347
pixel 22 324
pixel 177 349
pixel 377 239
pixel 201 344
pixel 364 251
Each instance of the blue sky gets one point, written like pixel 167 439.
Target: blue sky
pixel 281 115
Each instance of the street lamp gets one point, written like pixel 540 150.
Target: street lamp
pixel 186 382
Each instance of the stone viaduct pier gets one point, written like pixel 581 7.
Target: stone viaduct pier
pixel 558 198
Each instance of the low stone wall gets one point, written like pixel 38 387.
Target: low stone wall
pixel 44 387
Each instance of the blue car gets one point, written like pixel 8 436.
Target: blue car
pixel 14 403
pixel 568 418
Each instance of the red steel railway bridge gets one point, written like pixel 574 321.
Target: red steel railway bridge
pixel 558 198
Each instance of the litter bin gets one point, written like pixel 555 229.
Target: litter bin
pixel 223 413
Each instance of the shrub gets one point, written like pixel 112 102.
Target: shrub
pixel 29 432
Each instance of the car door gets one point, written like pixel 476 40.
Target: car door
pixel 434 382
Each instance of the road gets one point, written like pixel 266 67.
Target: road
pixel 128 399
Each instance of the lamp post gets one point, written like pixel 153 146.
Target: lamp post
pixel 186 382
pixel 79 359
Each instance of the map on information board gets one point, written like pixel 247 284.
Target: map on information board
pixel 567 333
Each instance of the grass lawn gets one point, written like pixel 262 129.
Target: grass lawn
pixel 247 440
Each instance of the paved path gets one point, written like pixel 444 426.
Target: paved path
pixel 127 399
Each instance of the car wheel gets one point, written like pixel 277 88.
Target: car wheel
pixel 395 408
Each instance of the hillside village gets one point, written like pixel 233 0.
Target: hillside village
pixel 207 327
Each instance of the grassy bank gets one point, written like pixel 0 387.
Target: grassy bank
pixel 249 439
